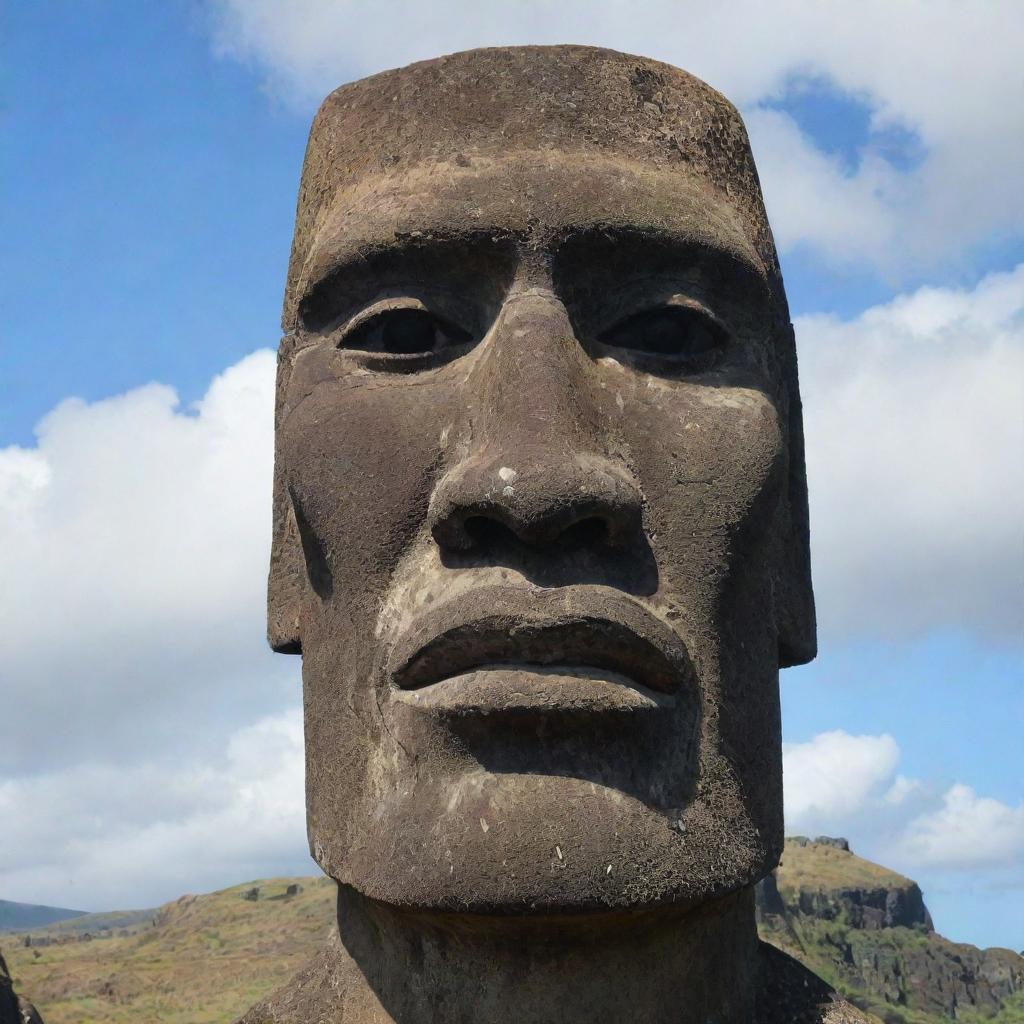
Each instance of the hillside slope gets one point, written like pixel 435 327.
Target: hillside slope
pixel 866 930
pixel 16 917
pixel 201 959
pixel 205 959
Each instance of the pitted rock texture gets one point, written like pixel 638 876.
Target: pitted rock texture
pixel 540 537
pixel 789 994
pixel 468 106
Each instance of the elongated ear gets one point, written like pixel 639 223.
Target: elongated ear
pixel 287 581
pixel 794 595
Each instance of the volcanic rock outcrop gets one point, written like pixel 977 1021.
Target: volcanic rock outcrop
pixel 866 929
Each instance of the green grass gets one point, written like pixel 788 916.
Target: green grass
pixel 1012 1013
pixel 204 961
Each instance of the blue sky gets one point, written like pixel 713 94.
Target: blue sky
pixel 151 195
pixel 151 172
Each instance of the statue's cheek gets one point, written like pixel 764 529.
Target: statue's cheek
pixel 708 458
pixel 360 459
pixel 745 449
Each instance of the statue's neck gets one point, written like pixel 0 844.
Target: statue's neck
pixel 651 968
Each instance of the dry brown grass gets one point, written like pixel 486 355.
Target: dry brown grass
pixel 825 867
pixel 205 960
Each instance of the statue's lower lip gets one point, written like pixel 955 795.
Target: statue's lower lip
pixel 510 687
pixel 538 635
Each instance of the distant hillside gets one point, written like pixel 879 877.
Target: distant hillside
pixel 15 917
pixel 96 926
pixel 867 931
pixel 199 960
pixel 205 959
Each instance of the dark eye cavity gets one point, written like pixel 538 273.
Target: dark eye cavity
pixel 677 332
pixel 405 332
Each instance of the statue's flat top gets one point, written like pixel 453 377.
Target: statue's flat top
pixel 464 108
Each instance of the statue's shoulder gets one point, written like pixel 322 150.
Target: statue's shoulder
pixel 791 994
pixel 309 997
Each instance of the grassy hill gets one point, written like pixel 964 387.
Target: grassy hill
pixel 101 926
pixel 200 960
pixel 205 959
pixel 21 916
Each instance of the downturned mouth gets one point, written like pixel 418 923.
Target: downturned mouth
pixel 554 636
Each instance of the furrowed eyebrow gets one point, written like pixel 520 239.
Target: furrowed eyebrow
pixel 429 255
pixel 618 246
pixel 418 255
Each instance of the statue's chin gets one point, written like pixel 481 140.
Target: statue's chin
pixel 539 845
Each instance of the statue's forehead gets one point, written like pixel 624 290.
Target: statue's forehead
pixel 632 137
pixel 539 198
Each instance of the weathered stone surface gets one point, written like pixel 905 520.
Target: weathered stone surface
pixel 792 994
pixel 788 993
pixel 540 535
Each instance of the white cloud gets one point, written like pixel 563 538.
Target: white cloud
pixel 901 790
pixel 915 427
pixel 831 777
pixel 836 783
pixel 812 200
pixel 138 757
pixel 966 831
pixel 135 549
pixel 97 837
pixel 947 72
pixel 965 851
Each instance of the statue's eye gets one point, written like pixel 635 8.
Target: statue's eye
pixel 405 332
pixel 677 332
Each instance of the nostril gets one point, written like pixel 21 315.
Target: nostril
pixel 585 502
pixel 487 533
pixel 589 532
pixel 484 532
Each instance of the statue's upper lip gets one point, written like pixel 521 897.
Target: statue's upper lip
pixel 573 626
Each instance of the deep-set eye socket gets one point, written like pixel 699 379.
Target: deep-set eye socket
pixel 400 330
pixel 407 335
pixel 678 334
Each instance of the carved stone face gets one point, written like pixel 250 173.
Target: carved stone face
pixel 540 522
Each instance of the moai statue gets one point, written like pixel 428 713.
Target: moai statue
pixel 540 536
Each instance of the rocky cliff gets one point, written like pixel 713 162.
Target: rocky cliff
pixel 866 930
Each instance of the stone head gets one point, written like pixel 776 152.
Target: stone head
pixel 540 513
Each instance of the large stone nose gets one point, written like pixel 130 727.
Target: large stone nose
pixel 539 504
pixel 535 466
